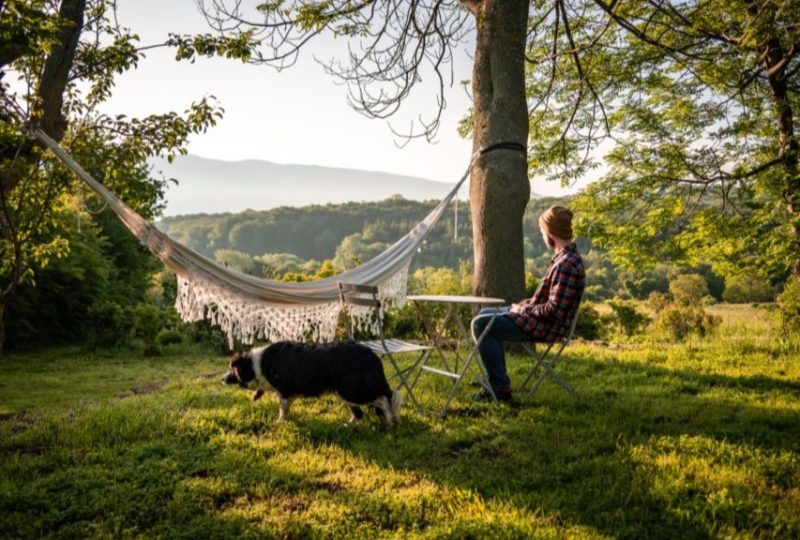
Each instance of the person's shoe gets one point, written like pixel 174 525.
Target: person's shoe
pixel 486 396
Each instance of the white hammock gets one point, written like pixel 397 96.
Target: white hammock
pixel 246 307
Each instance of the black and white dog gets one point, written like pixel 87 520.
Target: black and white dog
pixel 293 369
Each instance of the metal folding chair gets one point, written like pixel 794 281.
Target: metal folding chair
pixel 351 294
pixel 546 362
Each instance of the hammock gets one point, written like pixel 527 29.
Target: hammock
pixel 246 307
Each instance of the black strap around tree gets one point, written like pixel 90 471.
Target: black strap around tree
pixel 506 145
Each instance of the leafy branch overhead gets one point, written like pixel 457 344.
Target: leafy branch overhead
pixel 59 62
pixel 689 108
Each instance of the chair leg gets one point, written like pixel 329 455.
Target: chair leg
pixel 548 369
pixel 539 361
pixel 403 380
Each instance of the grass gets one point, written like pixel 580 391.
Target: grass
pixel 692 440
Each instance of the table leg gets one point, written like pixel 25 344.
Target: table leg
pixel 473 353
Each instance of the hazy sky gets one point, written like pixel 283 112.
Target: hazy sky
pixel 298 115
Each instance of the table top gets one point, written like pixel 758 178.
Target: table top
pixel 444 299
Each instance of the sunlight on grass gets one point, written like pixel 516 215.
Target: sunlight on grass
pixel 668 440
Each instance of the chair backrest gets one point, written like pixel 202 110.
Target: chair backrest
pixel 353 294
pixel 574 324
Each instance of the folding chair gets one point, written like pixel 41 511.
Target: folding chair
pixel 351 294
pixel 547 362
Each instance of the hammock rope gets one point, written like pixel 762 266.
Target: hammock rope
pixel 246 307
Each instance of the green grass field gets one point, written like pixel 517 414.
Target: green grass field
pixel 692 440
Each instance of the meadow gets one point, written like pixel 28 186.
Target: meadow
pixel 699 439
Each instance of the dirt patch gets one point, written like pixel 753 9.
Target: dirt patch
pixel 144 389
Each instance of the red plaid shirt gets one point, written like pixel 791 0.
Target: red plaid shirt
pixel 547 316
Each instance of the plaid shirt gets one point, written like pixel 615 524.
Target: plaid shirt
pixel 548 315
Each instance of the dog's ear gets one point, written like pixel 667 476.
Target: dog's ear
pixel 236 359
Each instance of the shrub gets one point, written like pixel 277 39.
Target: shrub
pixel 656 302
pixel 679 321
pixel 403 323
pixel 594 293
pixel 168 336
pixel 110 324
pixel 627 319
pixel 789 305
pixel 590 323
pixel 531 284
pixel 745 289
pixel 688 289
pixel 147 322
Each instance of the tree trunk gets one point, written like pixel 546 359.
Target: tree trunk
pixel 2 326
pixel 52 85
pixel 499 188
pixel 788 145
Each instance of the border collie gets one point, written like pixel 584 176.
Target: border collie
pixel 293 369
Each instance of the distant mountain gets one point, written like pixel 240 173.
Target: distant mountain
pixel 213 186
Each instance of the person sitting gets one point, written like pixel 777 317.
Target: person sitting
pixel 546 316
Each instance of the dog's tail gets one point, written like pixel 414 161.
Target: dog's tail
pixel 397 403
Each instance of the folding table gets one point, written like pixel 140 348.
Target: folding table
pixel 436 335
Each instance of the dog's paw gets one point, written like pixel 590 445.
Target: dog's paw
pixel 257 394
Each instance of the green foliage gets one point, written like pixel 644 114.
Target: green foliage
pixel 789 304
pixel 626 318
pixel 111 324
pixel 147 323
pixel 84 279
pixel 346 233
pixel 684 314
pixel 236 260
pixel 531 284
pixel 688 289
pixel 678 321
pixel 590 323
pixel 703 163
pixel 747 288
pixel 167 336
pixel 239 46
pixel 442 281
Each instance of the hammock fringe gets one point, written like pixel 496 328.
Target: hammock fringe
pixel 247 308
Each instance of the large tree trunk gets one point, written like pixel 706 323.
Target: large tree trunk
pixel 53 83
pixel 499 187
pixel 774 62
pixel 2 326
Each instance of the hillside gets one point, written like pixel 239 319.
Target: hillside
pixel 317 231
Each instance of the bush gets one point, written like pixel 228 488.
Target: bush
pixel 789 305
pixel 168 336
pixel 110 324
pixel 590 323
pixel 745 289
pixel 656 302
pixel 596 293
pixel 531 284
pixel 627 319
pixel 403 323
pixel 688 289
pixel 204 332
pixel 147 322
pixel 679 321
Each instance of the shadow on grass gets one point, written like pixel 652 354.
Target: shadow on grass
pixel 204 462
pixel 578 459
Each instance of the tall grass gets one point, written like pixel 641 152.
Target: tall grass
pixel 692 440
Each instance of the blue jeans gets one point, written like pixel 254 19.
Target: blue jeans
pixel 491 348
